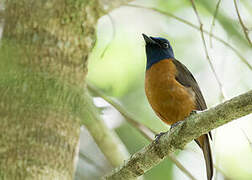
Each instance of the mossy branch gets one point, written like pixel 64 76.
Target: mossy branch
pixel 183 133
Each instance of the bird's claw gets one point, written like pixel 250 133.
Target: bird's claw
pixel 193 112
pixel 157 136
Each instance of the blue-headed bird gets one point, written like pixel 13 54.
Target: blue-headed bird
pixel 172 91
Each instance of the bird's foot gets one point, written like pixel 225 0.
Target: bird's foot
pixel 194 112
pixel 157 136
pixel 175 124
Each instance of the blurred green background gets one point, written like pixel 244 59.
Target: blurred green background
pixel 117 67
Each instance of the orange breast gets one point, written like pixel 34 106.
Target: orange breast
pixel 170 100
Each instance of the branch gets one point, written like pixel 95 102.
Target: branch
pixel 108 142
pixel 249 141
pixel 182 134
pixel 244 28
pixel 206 52
pixel 142 129
pixel 243 59
pixel 145 131
pixel 108 5
pixel 213 22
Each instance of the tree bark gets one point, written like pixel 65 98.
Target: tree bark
pixel 43 66
pixel 188 130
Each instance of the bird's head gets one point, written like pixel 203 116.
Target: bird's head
pixel 157 49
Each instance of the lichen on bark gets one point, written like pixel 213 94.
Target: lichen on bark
pixel 58 35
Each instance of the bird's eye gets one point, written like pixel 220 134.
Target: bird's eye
pixel 166 45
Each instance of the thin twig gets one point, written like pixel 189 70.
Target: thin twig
pixel 243 59
pixel 206 52
pixel 112 37
pixel 249 141
pixel 144 130
pixel 218 169
pixel 180 166
pixel 213 23
pixel 245 29
pixel 222 97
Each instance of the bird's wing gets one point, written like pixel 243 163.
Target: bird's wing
pixel 185 77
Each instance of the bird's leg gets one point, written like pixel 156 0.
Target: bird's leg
pixel 157 136
pixel 177 123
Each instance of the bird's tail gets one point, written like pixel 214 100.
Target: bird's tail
pixel 203 142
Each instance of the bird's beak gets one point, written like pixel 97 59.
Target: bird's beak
pixel 149 40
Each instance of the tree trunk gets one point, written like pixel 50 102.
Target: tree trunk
pixel 44 54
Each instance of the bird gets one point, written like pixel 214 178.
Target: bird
pixel 172 91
